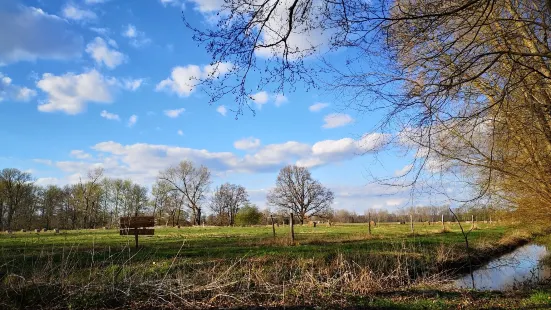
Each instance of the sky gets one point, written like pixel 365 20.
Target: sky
pixel 106 83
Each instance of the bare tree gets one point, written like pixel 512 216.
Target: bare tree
pixel 297 192
pixel 15 186
pixel 160 192
pixel 227 200
pixel 193 182
pixel 467 83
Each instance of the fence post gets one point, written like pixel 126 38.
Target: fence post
pixel 369 221
pixel 411 221
pixel 273 226
pixel 291 225
pixel 442 220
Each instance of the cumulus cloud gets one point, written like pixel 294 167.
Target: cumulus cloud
pixel 184 80
pixel 69 93
pixel 132 120
pixel 10 91
pixel 95 1
pixel 99 30
pixel 327 151
pixel 335 120
pixel 372 196
pixel 280 99
pixel 70 11
pixel 131 84
pixel 41 35
pixel 222 110
pixel 80 154
pixel 318 106
pixel 137 38
pixel 130 31
pixel 47 181
pixel 174 113
pixel 180 132
pixel 303 40
pixel 249 143
pixel 142 162
pixel 260 98
pixel 205 6
pixel 110 116
pixel 102 54
pixel 405 170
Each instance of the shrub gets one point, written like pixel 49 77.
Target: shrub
pixel 248 215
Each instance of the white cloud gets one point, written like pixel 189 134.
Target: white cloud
pixel 249 143
pixel 132 84
pixel 29 33
pixel 80 154
pixel 184 80
pixel 142 162
pixel 327 151
pixel 95 1
pixel 205 6
pixel 72 12
pixel 102 31
pixel 113 43
pixel 280 99
pixel 260 98
pixel 47 181
pixel 132 120
pixel 405 170
pixel 137 38
pixel 70 93
pixel 130 31
pixel 9 91
pixel 318 106
pixel 110 116
pixel 222 110
pixel 179 3
pixel 102 54
pixel 174 113
pixel 369 197
pixel 335 120
pixel 180 132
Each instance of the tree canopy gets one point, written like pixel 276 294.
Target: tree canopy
pixel 465 84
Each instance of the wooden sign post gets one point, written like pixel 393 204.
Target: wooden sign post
pixel 137 225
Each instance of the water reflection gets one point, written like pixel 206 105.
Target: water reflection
pixel 520 266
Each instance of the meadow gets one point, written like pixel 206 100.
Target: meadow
pixel 201 267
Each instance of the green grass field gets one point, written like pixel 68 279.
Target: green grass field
pixel 234 242
pixel 227 266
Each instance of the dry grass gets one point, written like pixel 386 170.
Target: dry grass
pixel 319 269
pixel 243 282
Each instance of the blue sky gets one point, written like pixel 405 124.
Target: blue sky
pixel 89 83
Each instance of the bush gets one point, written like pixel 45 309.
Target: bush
pixel 248 215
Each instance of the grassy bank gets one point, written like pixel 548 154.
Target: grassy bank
pixel 218 266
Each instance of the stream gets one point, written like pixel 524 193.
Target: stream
pixel 522 266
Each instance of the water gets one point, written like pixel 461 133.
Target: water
pixel 522 266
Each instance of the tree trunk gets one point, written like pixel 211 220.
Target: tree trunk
pixel 198 216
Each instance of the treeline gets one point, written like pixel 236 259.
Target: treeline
pixel 179 197
pixel 419 214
